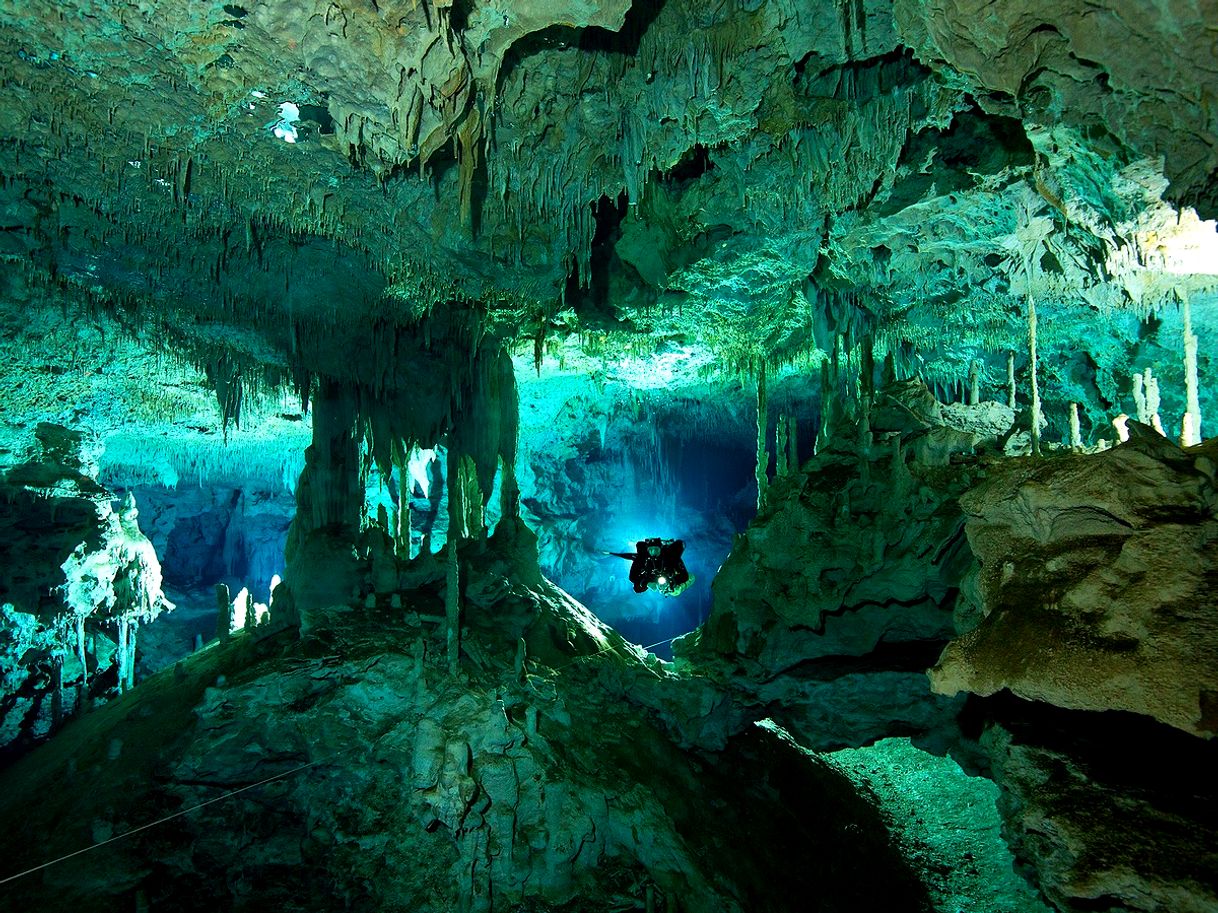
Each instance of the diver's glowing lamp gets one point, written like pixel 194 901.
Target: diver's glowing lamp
pixel 662 581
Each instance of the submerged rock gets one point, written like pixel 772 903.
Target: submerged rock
pixel 1098 576
pixel 1109 811
pixel 534 782
pixel 77 579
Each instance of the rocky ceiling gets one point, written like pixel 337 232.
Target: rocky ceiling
pixel 766 180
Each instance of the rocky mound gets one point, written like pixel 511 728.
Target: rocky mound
pixel 354 772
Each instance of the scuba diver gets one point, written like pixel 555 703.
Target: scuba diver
pixel 656 564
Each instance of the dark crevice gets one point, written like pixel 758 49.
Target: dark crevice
pixel 593 302
pixel 592 39
pixel 905 656
pixel 692 165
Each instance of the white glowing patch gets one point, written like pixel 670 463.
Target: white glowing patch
pixel 239 609
pixel 1186 246
pixel 261 610
pixel 663 580
pixel 416 469
pixel 285 127
pixel 661 370
pixel 258 94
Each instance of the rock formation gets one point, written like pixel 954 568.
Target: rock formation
pixel 876 298
pixel 78 580
pixel 839 595
pixel 1097 582
pixel 532 784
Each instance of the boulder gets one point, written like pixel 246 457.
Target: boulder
pixel 1098 580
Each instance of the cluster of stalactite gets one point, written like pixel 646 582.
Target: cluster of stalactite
pixel 437 383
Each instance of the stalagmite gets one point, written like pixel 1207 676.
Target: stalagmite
pixel 793 443
pixel 974 383
pixel 452 602
pixel 1150 385
pixel 1190 425
pixel 780 447
pixel 401 530
pixel 509 404
pixel 826 396
pixel 1032 371
pixel 82 656
pixel 121 655
pixel 763 458
pixel 1076 437
pixel 1011 379
pixel 57 692
pixel 1139 399
pixel 224 612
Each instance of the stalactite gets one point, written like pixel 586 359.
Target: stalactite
pixel 763 458
pixel 1032 371
pixel 1190 425
pixel 1011 379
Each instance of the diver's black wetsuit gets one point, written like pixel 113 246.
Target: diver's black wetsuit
pixel 657 561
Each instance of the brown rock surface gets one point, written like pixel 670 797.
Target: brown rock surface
pixel 1110 812
pixel 1098 579
pixel 1087 64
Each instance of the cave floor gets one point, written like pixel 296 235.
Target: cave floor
pixel 946 824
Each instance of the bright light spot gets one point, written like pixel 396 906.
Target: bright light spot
pixel 285 127
pixel 663 580
pixel 258 94
pixel 420 459
pixel 1184 246
pixel 239 609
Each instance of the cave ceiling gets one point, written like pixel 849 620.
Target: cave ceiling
pixel 752 180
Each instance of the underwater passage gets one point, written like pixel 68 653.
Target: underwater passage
pixel 520 457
